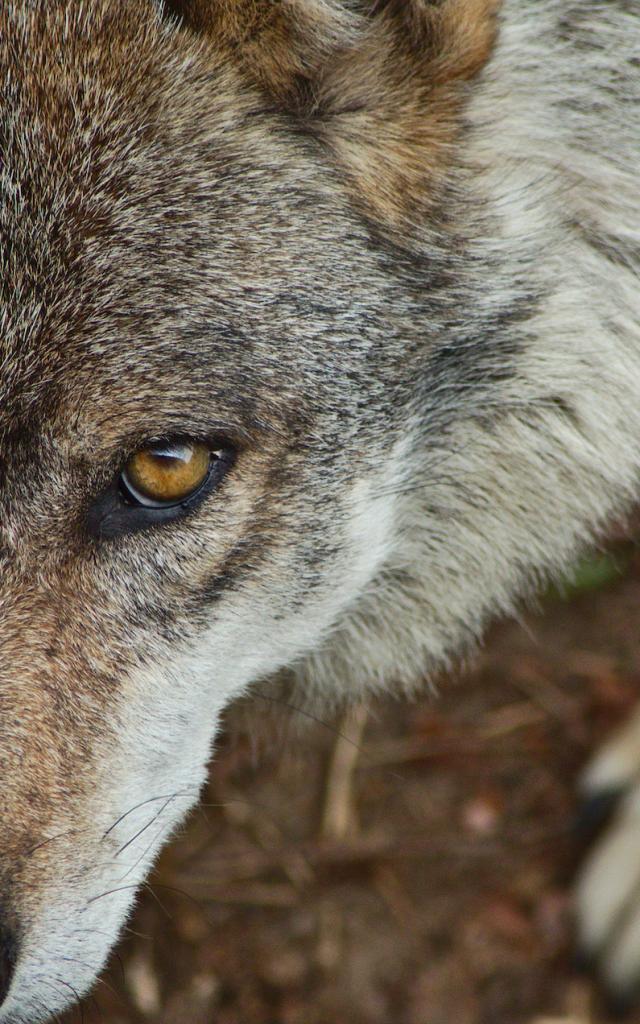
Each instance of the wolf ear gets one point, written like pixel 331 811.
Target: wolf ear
pixel 381 84
pixel 280 43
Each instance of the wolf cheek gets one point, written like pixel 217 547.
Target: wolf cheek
pixel 108 720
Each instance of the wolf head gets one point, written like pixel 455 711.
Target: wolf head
pixel 272 236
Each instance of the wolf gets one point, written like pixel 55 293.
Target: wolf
pixel 319 349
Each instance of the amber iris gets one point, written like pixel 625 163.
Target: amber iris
pixel 167 473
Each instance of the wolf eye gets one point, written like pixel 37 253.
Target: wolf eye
pixel 166 474
pixel 161 482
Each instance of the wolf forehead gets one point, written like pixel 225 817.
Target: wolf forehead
pixel 146 210
pixel 163 212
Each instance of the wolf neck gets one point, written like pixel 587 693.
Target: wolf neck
pixel 526 445
pixel 552 123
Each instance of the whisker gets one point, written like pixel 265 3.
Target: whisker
pixel 306 714
pixel 66 984
pixel 48 1012
pixel 145 827
pixel 114 952
pixel 121 965
pixel 164 828
pixel 94 1000
pixel 149 800
pixel 111 988
pixel 109 892
pixel 148 887
pixel 135 885
pixel 173 888
pixel 94 969
pixel 138 935
pixel 52 839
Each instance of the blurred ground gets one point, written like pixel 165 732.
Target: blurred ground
pixel 409 864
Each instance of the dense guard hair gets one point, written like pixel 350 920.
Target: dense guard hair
pixel 382 260
pixel 381 87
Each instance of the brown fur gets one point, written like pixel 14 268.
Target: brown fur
pixel 384 92
pixel 375 96
pixel 266 226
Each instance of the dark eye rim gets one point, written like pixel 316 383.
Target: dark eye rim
pixel 116 513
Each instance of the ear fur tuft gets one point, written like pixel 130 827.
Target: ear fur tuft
pixel 381 84
pixel 280 43
pixel 397 97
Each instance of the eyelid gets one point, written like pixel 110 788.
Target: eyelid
pixel 109 518
pixel 218 437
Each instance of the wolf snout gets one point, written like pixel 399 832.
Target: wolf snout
pixel 8 957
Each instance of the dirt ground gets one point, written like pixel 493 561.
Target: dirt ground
pixel 408 864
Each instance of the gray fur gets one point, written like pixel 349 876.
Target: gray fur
pixel 432 396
